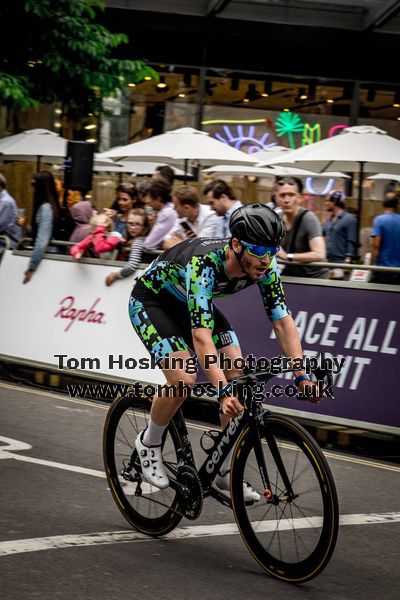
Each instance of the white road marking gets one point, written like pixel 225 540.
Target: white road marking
pixel 50 463
pixel 129 488
pixel 117 537
pixel 69 409
pixel 12 445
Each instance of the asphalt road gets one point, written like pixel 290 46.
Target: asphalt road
pixel 61 535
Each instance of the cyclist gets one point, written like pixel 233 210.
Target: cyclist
pixel 171 309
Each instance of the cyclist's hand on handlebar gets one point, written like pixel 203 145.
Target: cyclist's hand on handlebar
pixel 231 406
pixel 310 391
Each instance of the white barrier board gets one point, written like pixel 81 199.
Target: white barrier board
pixel 67 312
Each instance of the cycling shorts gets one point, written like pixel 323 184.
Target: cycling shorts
pixel 163 324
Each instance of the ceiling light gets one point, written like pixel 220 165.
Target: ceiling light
pixel 131 84
pixel 147 78
pixel 161 84
pixel 330 100
pixel 286 110
pixel 267 89
pixel 57 125
pixel 302 94
pixel 182 95
pixel 252 93
pixel 92 126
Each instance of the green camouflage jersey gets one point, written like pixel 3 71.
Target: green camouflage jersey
pixel 194 272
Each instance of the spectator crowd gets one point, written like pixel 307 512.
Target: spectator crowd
pixel 156 214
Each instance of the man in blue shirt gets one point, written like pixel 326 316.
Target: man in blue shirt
pixel 340 230
pixel 386 241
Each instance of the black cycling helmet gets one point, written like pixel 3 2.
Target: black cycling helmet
pixel 257 224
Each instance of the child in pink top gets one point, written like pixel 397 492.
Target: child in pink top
pixel 100 240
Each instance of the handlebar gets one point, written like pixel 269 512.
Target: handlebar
pixel 251 377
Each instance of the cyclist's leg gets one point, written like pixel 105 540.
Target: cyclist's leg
pixel 160 331
pixel 179 384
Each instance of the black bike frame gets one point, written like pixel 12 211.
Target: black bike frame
pixel 226 440
pixel 223 444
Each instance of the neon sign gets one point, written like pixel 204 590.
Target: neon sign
pixel 237 121
pixel 311 134
pixel 241 138
pixel 310 182
pixel 335 129
pixel 288 124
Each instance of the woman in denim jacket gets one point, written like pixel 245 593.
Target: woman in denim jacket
pixel 45 218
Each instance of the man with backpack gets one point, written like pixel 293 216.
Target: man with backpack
pixel 303 242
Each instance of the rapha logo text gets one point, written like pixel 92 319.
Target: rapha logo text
pixel 69 311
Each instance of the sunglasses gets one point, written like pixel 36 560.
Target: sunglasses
pixel 260 251
pixel 126 187
pixel 286 181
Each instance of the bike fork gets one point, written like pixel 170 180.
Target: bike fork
pixel 262 466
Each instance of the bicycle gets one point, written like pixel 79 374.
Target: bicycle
pixel 291 531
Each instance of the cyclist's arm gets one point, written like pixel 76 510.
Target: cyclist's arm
pixel 288 338
pixel 272 293
pixel 289 341
pixel 275 306
pixel 284 327
pixel 204 346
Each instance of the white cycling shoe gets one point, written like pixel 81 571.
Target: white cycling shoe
pixel 151 461
pixel 222 483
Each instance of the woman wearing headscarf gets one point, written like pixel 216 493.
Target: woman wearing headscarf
pixel 81 212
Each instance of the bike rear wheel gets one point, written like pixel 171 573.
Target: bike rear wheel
pixel 147 508
pixel 293 533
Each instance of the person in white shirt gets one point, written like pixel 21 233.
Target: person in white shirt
pixel 195 219
pixel 221 199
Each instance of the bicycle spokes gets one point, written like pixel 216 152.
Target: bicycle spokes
pixel 292 530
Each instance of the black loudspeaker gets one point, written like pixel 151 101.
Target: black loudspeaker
pixel 79 166
pixel 155 115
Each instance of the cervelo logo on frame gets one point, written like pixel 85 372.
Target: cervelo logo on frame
pixel 73 314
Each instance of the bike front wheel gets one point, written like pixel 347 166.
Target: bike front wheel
pixel 292 530
pixel 147 508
